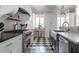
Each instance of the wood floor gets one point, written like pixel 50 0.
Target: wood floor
pixel 39 45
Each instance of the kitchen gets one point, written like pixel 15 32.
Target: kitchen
pixel 39 29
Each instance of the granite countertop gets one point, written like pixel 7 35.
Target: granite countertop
pixel 8 35
pixel 71 36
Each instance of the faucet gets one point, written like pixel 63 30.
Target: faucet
pixel 66 28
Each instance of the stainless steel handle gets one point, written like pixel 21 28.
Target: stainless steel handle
pixel 63 39
pixel 9 44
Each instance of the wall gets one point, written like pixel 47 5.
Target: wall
pixel 72 19
pixel 50 22
pixel 4 9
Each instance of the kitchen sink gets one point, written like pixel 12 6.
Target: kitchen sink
pixel 61 30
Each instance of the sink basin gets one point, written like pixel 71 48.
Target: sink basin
pixel 61 30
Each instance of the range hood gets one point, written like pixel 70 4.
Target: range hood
pixel 21 10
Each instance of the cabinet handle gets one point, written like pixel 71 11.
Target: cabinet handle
pixel 9 44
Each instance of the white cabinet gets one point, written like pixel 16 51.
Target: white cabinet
pixel 6 46
pixel 63 45
pixel 18 44
pixel 13 45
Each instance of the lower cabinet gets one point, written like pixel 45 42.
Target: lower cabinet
pixel 6 47
pixel 66 46
pixel 13 45
pixel 63 45
pixel 73 48
pixel 18 44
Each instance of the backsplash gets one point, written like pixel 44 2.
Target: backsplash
pixel 71 28
pixel 74 29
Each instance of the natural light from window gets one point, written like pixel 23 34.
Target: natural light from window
pixel 61 19
pixel 38 20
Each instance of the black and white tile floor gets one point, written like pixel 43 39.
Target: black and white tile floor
pixel 39 46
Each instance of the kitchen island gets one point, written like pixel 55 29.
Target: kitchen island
pixel 70 38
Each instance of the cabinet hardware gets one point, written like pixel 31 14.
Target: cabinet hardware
pixel 9 44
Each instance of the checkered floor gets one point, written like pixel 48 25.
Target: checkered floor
pixel 39 45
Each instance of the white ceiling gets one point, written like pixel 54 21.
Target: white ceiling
pixel 51 8
pixel 43 8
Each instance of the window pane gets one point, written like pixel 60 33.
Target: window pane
pixel 58 21
pixel 37 21
pixel 61 19
pixel 42 21
pixel 67 18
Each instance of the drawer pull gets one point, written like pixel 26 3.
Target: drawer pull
pixel 9 44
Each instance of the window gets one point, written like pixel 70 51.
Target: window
pixel 42 21
pixel 77 16
pixel 38 20
pixel 61 19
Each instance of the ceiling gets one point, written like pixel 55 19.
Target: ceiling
pixel 43 8
pixel 51 8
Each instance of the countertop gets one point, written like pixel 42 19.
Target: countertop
pixel 71 36
pixel 8 35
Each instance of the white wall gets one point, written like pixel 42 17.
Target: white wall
pixel 4 9
pixel 72 19
pixel 50 22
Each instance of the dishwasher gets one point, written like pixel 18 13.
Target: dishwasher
pixel 63 45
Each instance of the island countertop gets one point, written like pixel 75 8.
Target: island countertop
pixel 71 36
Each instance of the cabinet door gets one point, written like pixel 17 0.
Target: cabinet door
pixel 72 47
pixel 3 48
pixel 63 45
pixel 13 45
pixel 9 48
pixel 17 43
pixel 6 47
